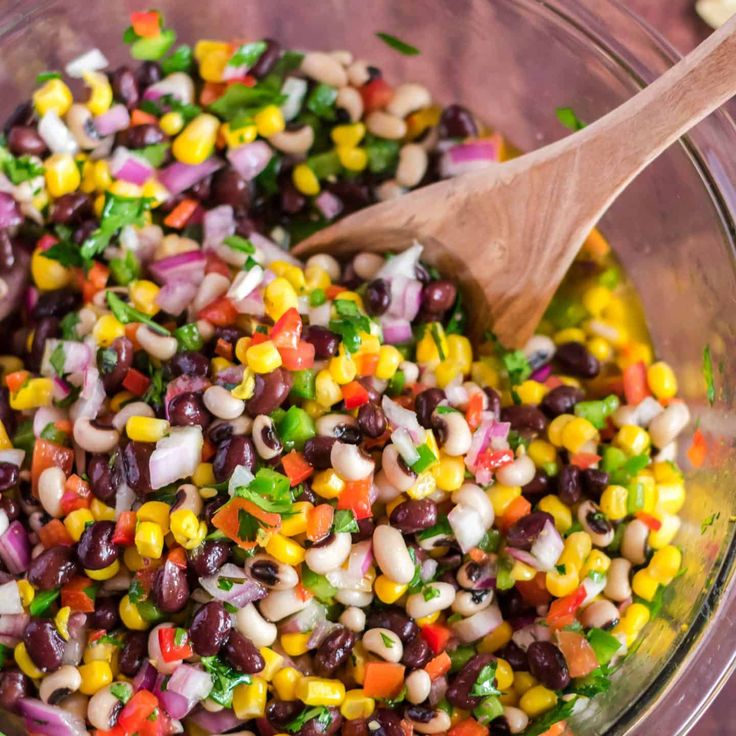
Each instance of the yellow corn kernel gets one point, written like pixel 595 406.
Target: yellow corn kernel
pixel 247 386
pixel 389 359
pixel 501 496
pixel 537 700
pixel 187 528
pixel 171 123
pixel 212 65
pixel 100 98
pixel 449 472
pixel 204 475
pixel 670 497
pixel 130 615
pixel 107 329
pixel 295 276
pixel 662 381
pixel 353 159
pixel 614 502
pixel 95 676
pixel 296 643
pixel 666 533
pixel 24 661
pixel 285 550
pixel 105 573
pixel 523 681
pixel 634 352
pixel 125 189
pixel 504 674
pixel 197 141
pixel 644 585
pixel 577 433
pixel 576 550
pixel 427 620
pixel 269 121
pixel 357 705
pixel 531 392
pixel 284 683
pixel 76 521
pixel 316 278
pixel 279 297
pixel 348 136
pixel 101 511
pixel 342 368
pixel 133 561
pixel 27 593
pixel 632 440
pixel 249 700
pixel 446 372
pixel 53 95
pixel 320 691
pixel 48 274
pixel 522 572
pixel 5 443
pixel 149 539
pixel 484 374
pixel 238 136
pixel 556 428
pixel 425 485
pixel 34 393
pixel 433 344
pixel 61 621
pixel 204 47
pixel 562 584
pixel 328 484
pixel 569 334
pixel 634 619
pixel 273 662
pixel 146 429
pixel 498 638
pixel 305 180
pixel 508 698
pixel 143 296
pixel 598 561
pixel 600 348
pixel 327 390
pixel 241 348
pixel 541 452
pixel 387 590
pixel 665 564
pixel 560 513
pixel 155 511
pixel 263 358
pixel 296 521
pixel 62 175
pixel 596 299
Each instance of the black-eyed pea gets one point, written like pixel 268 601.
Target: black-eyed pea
pixel 385 125
pixel 353 618
pixel 419 605
pixel 665 427
pixel 399 475
pixel 265 438
pixel 634 542
pixel 103 707
pixel 383 643
pixel 58 685
pixel 350 462
pixel 324 68
pixel 600 614
pixel 350 100
pixel 516 719
pixel 162 347
pixel 279 604
pixel 220 402
pixel 469 602
pixel 408 98
pixel 250 623
pixel 412 167
pixel 618 586
pixel 425 720
pixel 354 598
pixel 329 553
pixel 358 73
pixel 94 439
pixel 79 121
pixel 517 473
pixel 366 264
pixel 293 141
pixel 392 556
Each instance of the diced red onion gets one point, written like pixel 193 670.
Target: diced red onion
pixel 320 315
pixel 523 556
pixel 188 266
pixel 175 704
pixel 467 525
pixel 176 456
pixel 90 61
pixel 304 620
pixel 400 417
pixel 320 632
pixel 406 297
pixel 241 477
pixel 60 388
pixel 219 722
pixel 548 547
pixel 353 575
pixel 77 356
pixel 593 588
pixel 128 167
pixel 244 283
pixel 478 625
pixel 50 720
pixel 178 177
pixel 404 264
pixel 175 296
pixel 184 384
pixel 328 204
pixel 499 432
pixel 44 416
pixel 190 683
pixel 56 135
pixel 479 442
pixel 270 251
pixel 115 119
pixel 249 160
pixel 124 498
pixel 232 375
pixel 437 691
pixel 470 156
pixel 14 456
pixel 401 439
pixel 10 215
pixel 294 89
pixel 177 85
pixel 428 569
pixel 10 602
pixel 15 548
pixel 13 625
pixel 395 330
pixel 542 373
pixel 145 678
pixel 241 593
pixel 219 223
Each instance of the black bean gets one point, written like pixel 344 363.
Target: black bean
pixel 271 390
pixel 515 656
pixel 106 614
pixel 457 122
pixel 561 400
pixel 548 665
pixel 229 334
pixel 104 476
pixel 234 451
pixel 325 341
pixel 210 629
pixel 419 713
pixel 55 303
pixel 115 362
pixel 353 194
pixel 525 531
pixel 499 727
pixel 438 297
pixel 170 588
pixel 71 209
pixel 371 420
pixel 395 620
pixel 416 653
pixel 189 364
pixel 316 727
pixel 538 486
pixel 125 86
pixel 7 415
pixel 513 604
pixel 267 60
pixel 10 506
pixel 135 461
pixel 458 693
pixel 140 136
pixel 494 400
pixel 413 515
pixel 281 712
pixel 425 403
pixel 569 484
pixel 188 410
pixel 317 451
pixel 334 651
pixel 366 527
pixel 348 433
pixel 25 140
pixel 524 418
pixel 292 200
pixel 9 474
pixel 242 654
pixel 46 328
pixel 23 114
pixel 202 189
pixel 228 187
pixel 96 549
pixel 385 722
pixel 52 568
pixel 574 358
pixel 133 652
pixel 86 229
pixel 44 645
pixel 377 297
pixel 209 557
pixel 594 482
pixel 14 685
pixel 148 73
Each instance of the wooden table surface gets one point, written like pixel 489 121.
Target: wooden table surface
pixel 678 22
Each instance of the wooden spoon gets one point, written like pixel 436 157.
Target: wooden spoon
pixel 509 233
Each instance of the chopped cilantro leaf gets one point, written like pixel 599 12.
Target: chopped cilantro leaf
pixel 46 76
pixel 66 253
pixel 345 521
pixel 179 61
pixel 248 526
pixel 69 326
pixel 248 54
pixel 485 683
pixel 560 712
pixel 239 100
pixel 57 359
pixel 517 366
pixel 398 45
pixel 429 592
pixel 21 168
pixel 156 389
pixel 117 212
pixel 126 314
pixel 236 242
pixel 321 101
pixel 709 521
pixel 52 434
pixel 568 118
pixel 350 323
pixel 122 691
pixel 320 712
pixel 710 388
pixel 269 491
pixel 388 642
pixel 225 680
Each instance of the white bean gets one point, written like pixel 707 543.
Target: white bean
pixel 665 427
pixel 50 491
pixel 634 542
pixel 392 555
pixel 342 56
pixel 327 263
pixel 384 125
pixel 472 495
pixel 250 623
pixel 412 167
pixel 66 679
pixel 158 346
pixel 408 98
pixel 618 587
pixel 418 606
pixel 397 474
pixel 625 415
pixel 386 490
pixel 384 643
pixel 206 329
pixel 293 141
pixel 517 473
pixel 600 614
pixel 418 685
pixel 324 68
pixel 87 321
pixel 366 264
pixel 355 598
pixel 94 439
pixel 350 462
pixel 134 409
pixel 516 719
pixel 79 121
pixel 457 435
pixel 322 558
pixel 440 723
pixel 353 618
pixel 389 189
pixel 358 73
pixel 349 99
pixel 222 403
pixel 279 604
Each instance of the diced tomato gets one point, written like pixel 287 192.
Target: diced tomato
pixel 383 679
pixel 136 382
pixel 578 653
pixel 125 529
pixel 562 611
pixel 248 80
pixel 584 460
pixel 138 117
pixel 76 595
pixel 438 666
pixel 534 591
pixel 319 521
pixel 494 459
pixel 517 509
pixel 77 494
pixel 209 449
pixel 258 337
pixel 179 216
pixel 146 24
pixel 698 450
pixel 356 497
pixel 215 264
pixel 46 241
pixel 178 557
pixel 303 593
pixel 468 727
pixel 333 290
pixel 296 467
pixel 474 410
pixel 287 331
pixel 228 522
pixel 220 312
pixel 211 91
pixel 170 650
pixel 354 394
pixel 15 380
pixel 366 364
pixel 48 455
pixel 556 729
pixel 136 711
pixel 652 522
pixel 636 387
pixel 54 533
pixel 376 94
pixel 299 358
pixel 436 636
pixel 94 280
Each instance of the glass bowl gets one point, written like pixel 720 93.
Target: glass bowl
pixel 513 62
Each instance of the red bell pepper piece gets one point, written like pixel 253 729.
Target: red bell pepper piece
pixel 174 644
pixel 48 455
pixel 562 611
pixel 474 410
pixel 76 595
pixel 287 331
pixel 494 459
pixel 653 523
pixel 220 312
pixel 53 534
pixel 698 450
pixel 296 467
pixel 179 216
pixel 135 712
pixel 376 94
pixel 534 591
pixel 354 394
pixel 635 383
pixel 146 24
pixel 436 636
pixel 299 358
pixel 136 382
pixel 125 529
pixel 356 497
pixel 468 727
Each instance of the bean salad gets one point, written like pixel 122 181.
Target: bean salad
pixel 244 494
